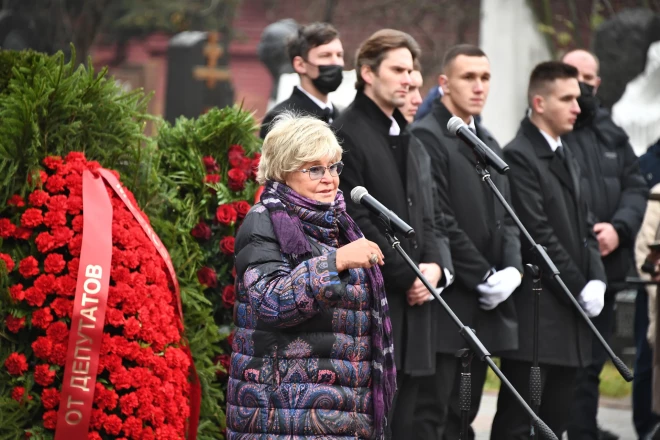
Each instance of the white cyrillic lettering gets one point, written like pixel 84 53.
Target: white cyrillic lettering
pixel 86 299
pixel 92 271
pixel 89 313
pixel 75 382
pixel 80 368
pixel 96 285
pixel 73 417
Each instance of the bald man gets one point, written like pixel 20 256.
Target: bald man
pixel 616 193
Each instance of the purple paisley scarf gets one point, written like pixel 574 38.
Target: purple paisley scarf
pixel 286 207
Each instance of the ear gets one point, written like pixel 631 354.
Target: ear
pixel 299 65
pixel 538 104
pixel 443 82
pixel 597 85
pixel 367 74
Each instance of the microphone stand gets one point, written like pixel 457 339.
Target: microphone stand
pixel 535 370
pixel 550 267
pixel 473 342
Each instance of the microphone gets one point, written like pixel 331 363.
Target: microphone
pixel 360 195
pixel 458 128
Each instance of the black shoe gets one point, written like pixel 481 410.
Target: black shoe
pixel 604 434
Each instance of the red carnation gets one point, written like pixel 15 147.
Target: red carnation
pixel 50 398
pixel 52 162
pixel 28 267
pixel 16 364
pixel 35 296
pixel 132 427
pixel 63 236
pixel 16 201
pixel 236 180
pixel 228 296
pixel 50 419
pixel 104 398
pixel 210 164
pixel 45 283
pixel 53 219
pixel 112 424
pixel 128 403
pixel 226 214
pixel 58 331
pixel 62 307
pixel 235 155
pixel 14 325
pixel 54 263
pixel 17 394
pixel 224 361
pixel 242 207
pixel 57 203
pixel 65 285
pixel 23 233
pixel 227 245
pixel 45 242
pixel 16 292
pixel 201 231
pixel 42 318
pixel 9 262
pixel 74 205
pixel 58 354
pixel 31 218
pixel 42 347
pixel 255 163
pixel 212 178
pixel 131 328
pixel 114 317
pixel 207 277
pixel 55 184
pixel 7 228
pixel 43 375
pixel 38 177
pixel 77 224
pixel 38 198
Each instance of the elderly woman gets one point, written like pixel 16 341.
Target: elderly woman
pixel 312 354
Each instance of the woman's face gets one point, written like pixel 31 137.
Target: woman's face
pixel 308 181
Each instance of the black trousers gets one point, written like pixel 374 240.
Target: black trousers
pixel 512 422
pixel 583 424
pixel 427 407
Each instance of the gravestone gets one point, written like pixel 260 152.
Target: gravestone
pixel 198 77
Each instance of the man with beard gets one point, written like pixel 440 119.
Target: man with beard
pixel 317 55
pixel 378 157
pixel 485 244
pixel 547 197
pixel 616 193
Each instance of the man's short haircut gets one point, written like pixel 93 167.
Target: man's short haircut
pixel 454 52
pixel 372 52
pixel 545 74
pixel 309 37
pixel 563 57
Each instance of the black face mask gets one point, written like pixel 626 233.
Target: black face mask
pixel 329 78
pixel 588 105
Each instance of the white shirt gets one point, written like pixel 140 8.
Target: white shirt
pixel 554 143
pixel 317 101
pixel 395 130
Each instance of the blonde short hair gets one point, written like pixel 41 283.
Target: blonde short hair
pixel 294 140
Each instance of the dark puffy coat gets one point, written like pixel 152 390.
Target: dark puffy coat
pixel 301 360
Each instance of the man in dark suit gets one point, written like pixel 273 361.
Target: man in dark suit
pixel 485 244
pixel 317 56
pixel 373 134
pixel 545 188
pixel 616 193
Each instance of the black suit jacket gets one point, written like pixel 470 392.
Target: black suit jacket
pixel 547 197
pixel 371 161
pixel 299 103
pixel 481 233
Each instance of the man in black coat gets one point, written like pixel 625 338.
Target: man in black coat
pixel 377 156
pixel 616 193
pixel 317 56
pixel 548 199
pixel 485 244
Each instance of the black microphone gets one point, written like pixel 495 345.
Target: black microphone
pixel 359 194
pixel 457 127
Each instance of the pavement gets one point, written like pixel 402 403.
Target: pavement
pixel 614 415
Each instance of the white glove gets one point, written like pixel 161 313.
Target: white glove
pixel 592 298
pixel 498 287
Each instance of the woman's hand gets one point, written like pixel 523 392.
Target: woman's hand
pixel 359 254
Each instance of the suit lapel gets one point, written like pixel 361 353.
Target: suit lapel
pixel 573 171
pixel 559 169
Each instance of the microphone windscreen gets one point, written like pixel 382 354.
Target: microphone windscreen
pixel 454 124
pixel 357 193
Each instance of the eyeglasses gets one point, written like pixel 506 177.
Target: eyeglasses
pixel 317 171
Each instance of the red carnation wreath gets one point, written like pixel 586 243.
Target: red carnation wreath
pixel 142 389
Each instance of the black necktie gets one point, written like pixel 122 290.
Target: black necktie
pixel 326 114
pixel 561 153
